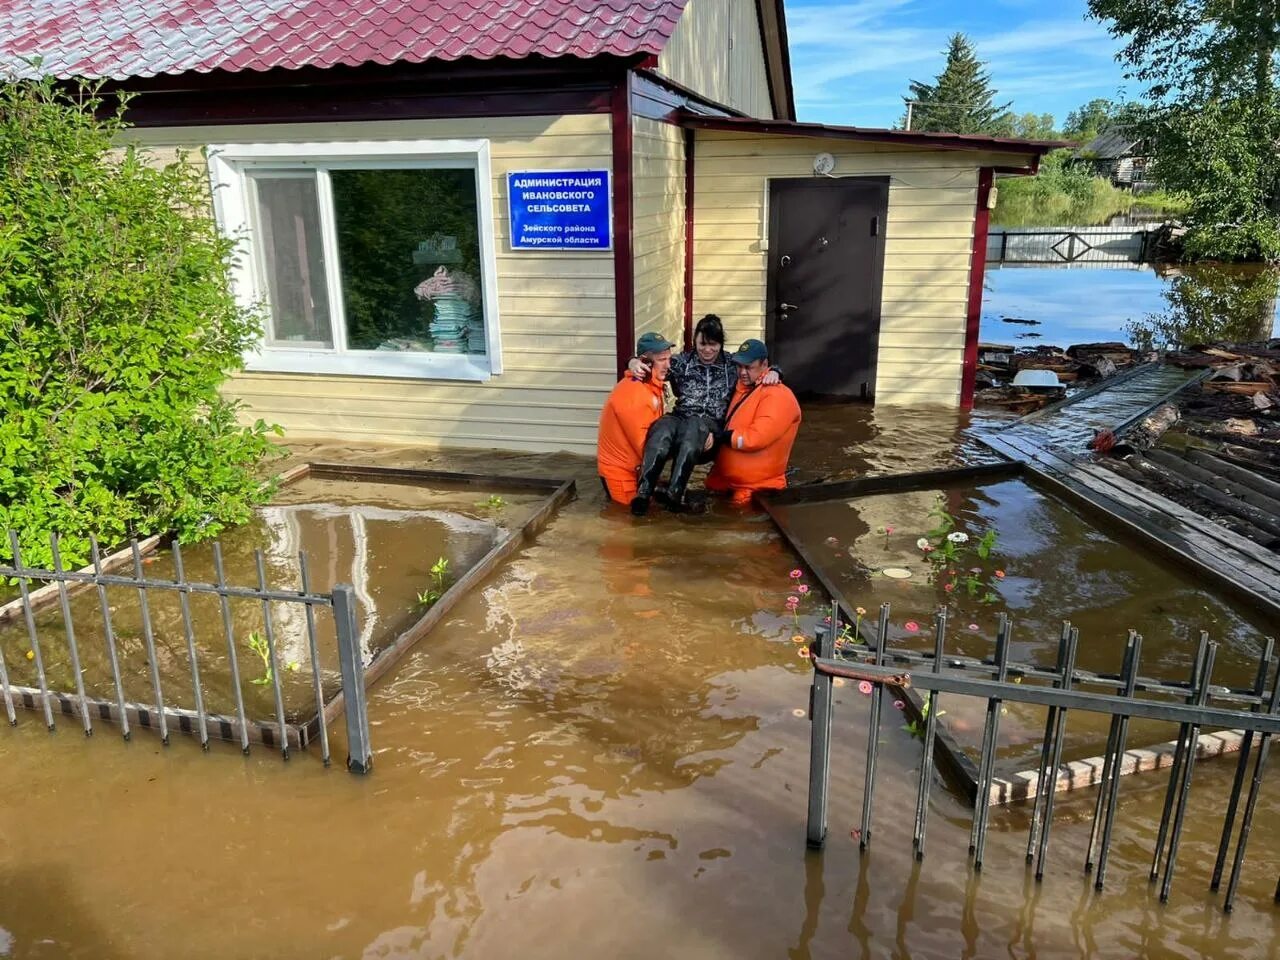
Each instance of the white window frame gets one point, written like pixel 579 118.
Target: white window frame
pixel 229 167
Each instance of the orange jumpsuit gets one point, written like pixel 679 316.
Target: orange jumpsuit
pixel 764 423
pixel 628 414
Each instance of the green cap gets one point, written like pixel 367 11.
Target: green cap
pixel 750 351
pixel 652 343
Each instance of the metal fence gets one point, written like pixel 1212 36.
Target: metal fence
pixel 1196 703
pixel 1093 245
pixel 158 713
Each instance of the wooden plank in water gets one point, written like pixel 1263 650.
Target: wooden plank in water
pixel 412 475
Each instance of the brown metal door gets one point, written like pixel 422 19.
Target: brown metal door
pixel 826 264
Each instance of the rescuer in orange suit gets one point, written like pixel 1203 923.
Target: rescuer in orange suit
pixel 630 411
pixel 759 431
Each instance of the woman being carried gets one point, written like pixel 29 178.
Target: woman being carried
pixel 703 380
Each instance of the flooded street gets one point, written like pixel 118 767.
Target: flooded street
pixel 1086 303
pixel 602 751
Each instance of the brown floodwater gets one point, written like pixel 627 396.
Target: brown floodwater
pixel 597 752
pixel 1047 561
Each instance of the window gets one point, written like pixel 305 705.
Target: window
pixel 372 259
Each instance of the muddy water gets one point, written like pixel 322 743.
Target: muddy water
pixel 596 754
pixel 1049 562
pixel 381 538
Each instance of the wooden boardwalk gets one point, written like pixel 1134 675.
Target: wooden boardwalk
pixel 1054 445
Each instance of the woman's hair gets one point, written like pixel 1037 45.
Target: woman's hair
pixel 710 329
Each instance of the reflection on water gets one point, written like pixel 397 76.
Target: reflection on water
pixel 597 753
pixel 1139 306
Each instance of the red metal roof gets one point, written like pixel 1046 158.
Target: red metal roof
pixel 119 39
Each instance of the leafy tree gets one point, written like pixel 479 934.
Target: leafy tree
pixel 961 99
pixel 117 327
pixel 1034 126
pixel 1214 118
pixel 1087 121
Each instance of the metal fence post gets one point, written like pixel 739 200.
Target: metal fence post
pixel 359 753
pixel 820 737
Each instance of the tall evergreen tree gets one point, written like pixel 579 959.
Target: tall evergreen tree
pixel 961 99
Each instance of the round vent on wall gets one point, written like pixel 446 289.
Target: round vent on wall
pixel 823 164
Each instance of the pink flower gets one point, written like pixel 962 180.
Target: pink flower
pixel 793 601
pixel 802 589
pixel 864 687
pixel 999 574
pixel 912 626
pixel 949 587
pixel 826 619
pixel 888 529
pixel 899 705
pixel 973 626
pixel 796 574
pixel 855 834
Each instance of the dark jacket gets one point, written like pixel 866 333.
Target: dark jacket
pixel 702 389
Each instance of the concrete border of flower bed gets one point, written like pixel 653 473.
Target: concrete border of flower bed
pixel 956 766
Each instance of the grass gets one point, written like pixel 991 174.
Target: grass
pixel 1053 200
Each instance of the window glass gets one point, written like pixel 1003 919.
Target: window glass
pixel 409 250
pixel 292 259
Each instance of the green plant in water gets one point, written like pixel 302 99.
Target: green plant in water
pixel 434 592
pixel 258 644
pixel 494 502
pixel 959 561
pixel 916 727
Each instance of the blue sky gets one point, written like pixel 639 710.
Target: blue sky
pixel 851 61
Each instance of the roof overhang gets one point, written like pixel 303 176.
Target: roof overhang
pixel 777 57
pixel 1033 150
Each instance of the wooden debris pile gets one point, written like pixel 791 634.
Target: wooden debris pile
pixel 1077 366
pixel 1218 450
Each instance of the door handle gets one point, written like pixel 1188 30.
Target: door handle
pixel 787 306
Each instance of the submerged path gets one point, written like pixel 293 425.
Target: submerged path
pixel 1054 445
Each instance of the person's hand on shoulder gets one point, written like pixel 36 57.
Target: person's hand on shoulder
pixel 770 378
pixel 638 369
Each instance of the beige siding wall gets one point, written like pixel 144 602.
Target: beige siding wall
pixel 716 50
pixel 556 311
pixel 928 243
pixel 658 225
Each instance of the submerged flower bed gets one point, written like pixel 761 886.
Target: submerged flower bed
pixel 1004 546
pixel 400 546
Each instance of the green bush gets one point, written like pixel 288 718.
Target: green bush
pixel 118 328
pixel 1068 194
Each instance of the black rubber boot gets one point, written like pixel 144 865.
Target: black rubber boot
pixel 657 448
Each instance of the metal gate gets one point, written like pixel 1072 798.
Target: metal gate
pixel 1093 245
pixel 158 713
pixel 837 652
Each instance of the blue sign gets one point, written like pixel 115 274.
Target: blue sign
pixel 560 210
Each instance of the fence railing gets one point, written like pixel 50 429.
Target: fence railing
pixel 158 712
pixel 1198 703
pixel 1096 245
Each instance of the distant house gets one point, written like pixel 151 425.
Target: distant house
pixel 459 214
pixel 1118 156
